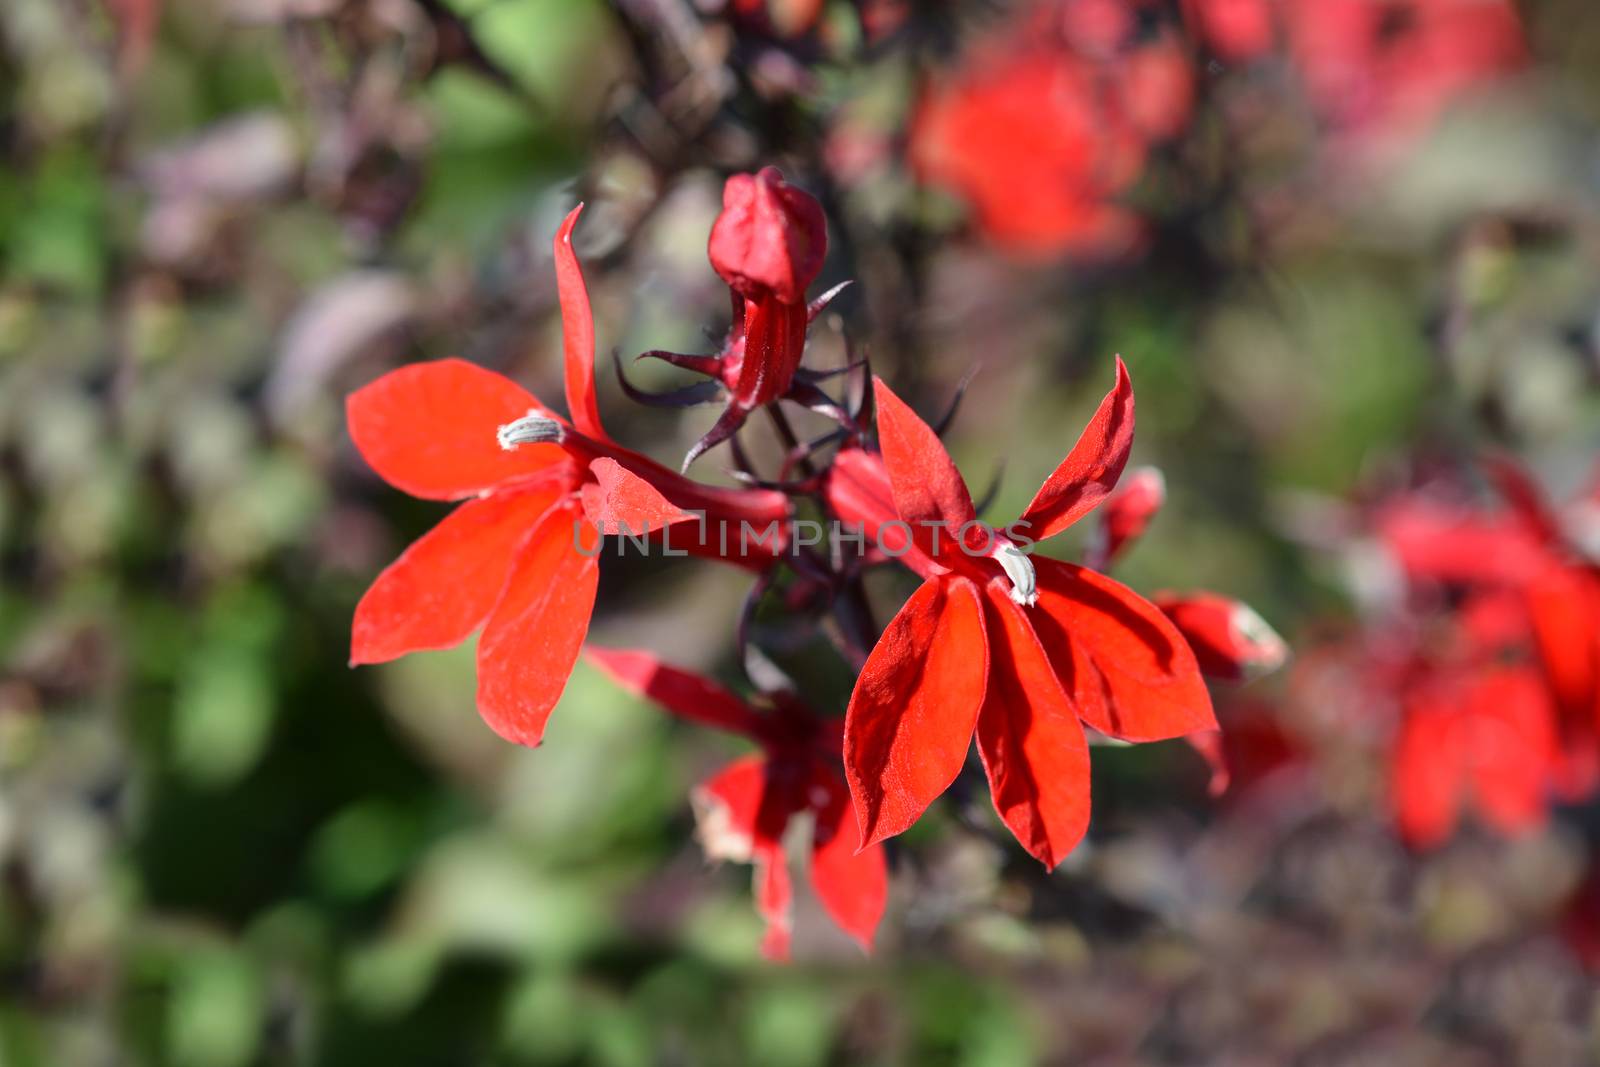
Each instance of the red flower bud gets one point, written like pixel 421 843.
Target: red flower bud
pixel 770 237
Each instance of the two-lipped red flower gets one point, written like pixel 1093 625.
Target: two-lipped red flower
pixel 1046 123
pixel 520 556
pixel 745 809
pixel 1018 650
pixel 768 244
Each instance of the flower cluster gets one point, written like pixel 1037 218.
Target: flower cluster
pixel 1482 651
pixel 1045 123
pixel 1030 656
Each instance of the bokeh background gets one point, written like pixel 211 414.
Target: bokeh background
pixel 220 846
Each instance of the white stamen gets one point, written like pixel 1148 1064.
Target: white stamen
pixel 532 429
pixel 1019 568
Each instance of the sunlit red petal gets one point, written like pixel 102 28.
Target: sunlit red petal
pixel 1127 670
pixel 728 809
pixel 577 333
pixel 687 695
pixel 915 705
pixel 1031 743
pixel 1427 777
pixel 429 429
pixel 1509 748
pixel 851 882
pixel 929 492
pixel 775 903
pixel 620 502
pixel 532 639
pixel 1091 469
pixel 444 586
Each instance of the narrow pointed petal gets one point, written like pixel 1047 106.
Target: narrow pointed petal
pixel 532 638
pixel 915 706
pixel 577 333
pixel 620 502
pixel 444 586
pixel 726 426
pixel 1510 749
pixel 851 882
pixel 429 429
pixel 1426 778
pixel 775 904
pixel 929 492
pixel 1031 743
pixel 1229 640
pixel 1091 469
pixel 1126 668
pixel 689 696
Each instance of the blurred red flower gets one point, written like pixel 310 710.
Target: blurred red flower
pixel 520 556
pixel 745 809
pixel 1014 648
pixel 1046 123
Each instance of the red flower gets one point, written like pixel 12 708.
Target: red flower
pixel 1125 515
pixel 1484 734
pixel 1230 641
pixel 768 244
pixel 1395 64
pixel 1014 648
pixel 520 557
pixel 745 809
pixel 1236 30
pixel 1047 123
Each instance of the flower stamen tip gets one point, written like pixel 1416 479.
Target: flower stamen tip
pixel 1018 568
pixel 533 428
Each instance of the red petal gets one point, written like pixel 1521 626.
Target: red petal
pixel 444 586
pixel 1427 777
pixel 577 333
pixel 1510 749
pixel 1091 469
pixel 531 642
pixel 728 812
pixel 687 695
pixel 775 903
pixel 1128 671
pixel 1031 743
pixel 429 429
pixel 620 502
pixel 915 705
pixel 769 236
pixel 851 882
pixel 928 489
pixel 1229 640
pixel 1125 515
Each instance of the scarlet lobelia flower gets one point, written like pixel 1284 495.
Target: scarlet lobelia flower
pixel 768 244
pixel 1048 121
pixel 520 556
pixel 745 809
pixel 1017 649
